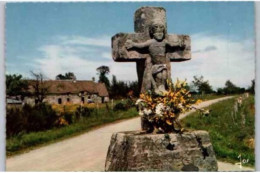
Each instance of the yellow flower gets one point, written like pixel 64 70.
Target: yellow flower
pixel 198 101
pixel 168 122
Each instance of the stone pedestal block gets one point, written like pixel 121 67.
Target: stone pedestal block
pixel 136 151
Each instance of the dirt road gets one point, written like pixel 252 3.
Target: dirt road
pixel 86 152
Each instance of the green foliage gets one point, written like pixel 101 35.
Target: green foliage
pixel 83 112
pixel 68 117
pixel 230 88
pixel 230 127
pixel 28 119
pixel 103 71
pixel 121 89
pixel 206 96
pixel 18 143
pixel 202 87
pixel 251 89
pixel 67 76
pixel 41 117
pixel 16 85
pixel 124 105
pixel 120 106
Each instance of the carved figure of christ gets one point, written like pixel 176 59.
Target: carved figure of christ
pixel 150 46
pixel 157 48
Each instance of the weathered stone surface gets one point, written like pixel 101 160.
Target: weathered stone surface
pixel 121 54
pixel 133 151
pixel 144 19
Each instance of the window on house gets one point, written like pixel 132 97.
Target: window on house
pixel 68 99
pixel 59 101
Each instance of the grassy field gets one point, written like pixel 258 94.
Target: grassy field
pixel 231 129
pixel 24 142
pixel 100 116
pixel 206 96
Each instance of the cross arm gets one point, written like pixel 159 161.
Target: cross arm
pixel 120 53
pixel 179 47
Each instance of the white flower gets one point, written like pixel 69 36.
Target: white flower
pixel 141 113
pixel 159 108
pixel 138 101
pixel 147 111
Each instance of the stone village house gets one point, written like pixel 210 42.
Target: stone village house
pixel 70 91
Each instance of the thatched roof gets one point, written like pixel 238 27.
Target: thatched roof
pixel 73 87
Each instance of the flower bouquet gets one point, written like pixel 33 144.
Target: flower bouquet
pixel 162 111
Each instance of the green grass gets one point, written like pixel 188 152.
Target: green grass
pixel 205 97
pixel 228 134
pixel 24 142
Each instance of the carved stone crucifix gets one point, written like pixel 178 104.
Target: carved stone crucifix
pixel 151 48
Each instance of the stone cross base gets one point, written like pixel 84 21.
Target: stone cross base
pixel 135 151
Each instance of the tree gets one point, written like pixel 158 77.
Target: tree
pixel 119 89
pixel 103 71
pixel 40 89
pixel 251 89
pixel 16 85
pixel 113 88
pixel 134 86
pixel 220 91
pixel 231 88
pixel 202 87
pixel 67 76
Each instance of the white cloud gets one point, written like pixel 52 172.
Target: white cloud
pixel 214 57
pixel 61 59
pixel 82 60
pixel 103 41
pixel 228 60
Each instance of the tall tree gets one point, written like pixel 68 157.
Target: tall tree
pixel 16 85
pixel 202 86
pixel 103 71
pixel 40 89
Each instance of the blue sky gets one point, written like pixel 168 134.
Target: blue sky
pixel 56 38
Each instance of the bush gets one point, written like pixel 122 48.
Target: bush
pixel 23 141
pixel 29 119
pixel 15 121
pixel 40 117
pixel 83 112
pixel 120 106
pixel 124 105
pixel 68 117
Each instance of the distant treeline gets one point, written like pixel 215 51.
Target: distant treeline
pixel 117 89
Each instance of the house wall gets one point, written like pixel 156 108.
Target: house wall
pixel 73 99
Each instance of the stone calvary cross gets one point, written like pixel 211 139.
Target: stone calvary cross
pixel 151 48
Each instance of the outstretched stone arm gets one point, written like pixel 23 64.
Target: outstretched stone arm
pixel 130 44
pixel 179 43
